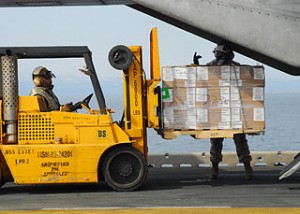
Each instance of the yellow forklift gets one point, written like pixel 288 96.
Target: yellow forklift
pixel 40 147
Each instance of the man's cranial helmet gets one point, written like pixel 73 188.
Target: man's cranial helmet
pixel 42 72
pixel 223 51
pixel 39 74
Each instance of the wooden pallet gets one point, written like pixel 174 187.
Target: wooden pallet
pixel 199 134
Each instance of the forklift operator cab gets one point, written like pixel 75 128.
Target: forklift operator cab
pixel 42 79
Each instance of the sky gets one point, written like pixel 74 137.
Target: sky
pixel 101 28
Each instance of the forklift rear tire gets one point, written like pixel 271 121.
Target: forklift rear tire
pixel 125 169
pixel 120 57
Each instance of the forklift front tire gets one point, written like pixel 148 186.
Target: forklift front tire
pixel 120 57
pixel 125 169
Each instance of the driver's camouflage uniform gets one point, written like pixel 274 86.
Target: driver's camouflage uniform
pixel 50 98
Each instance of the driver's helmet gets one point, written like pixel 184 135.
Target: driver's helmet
pixel 39 74
pixel 223 51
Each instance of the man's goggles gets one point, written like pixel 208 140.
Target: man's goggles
pixel 48 75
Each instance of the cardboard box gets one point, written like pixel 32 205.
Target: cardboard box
pixel 228 96
pixel 179 118
pixel 184 97
pixel 179 77
pixel 209 76
pixel 213 97
pixel 230 118
pixel 254 118
pixel 252 76
pixel 225 76
pixel 213 118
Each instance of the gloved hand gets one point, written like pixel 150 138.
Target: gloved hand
pixel 68 107
pixel 196 58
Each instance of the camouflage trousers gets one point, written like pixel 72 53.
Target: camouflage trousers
pixel 241 145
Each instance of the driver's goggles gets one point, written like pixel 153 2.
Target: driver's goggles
pixel 48 75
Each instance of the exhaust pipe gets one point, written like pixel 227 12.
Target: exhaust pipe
pixel 10 96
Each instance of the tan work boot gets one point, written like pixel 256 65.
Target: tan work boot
pixel 248 171
pixel 214 171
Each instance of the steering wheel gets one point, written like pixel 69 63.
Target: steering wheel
pixel 85 102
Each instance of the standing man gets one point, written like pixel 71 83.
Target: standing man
pixel 224 56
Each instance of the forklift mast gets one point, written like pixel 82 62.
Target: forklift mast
pixel 141 99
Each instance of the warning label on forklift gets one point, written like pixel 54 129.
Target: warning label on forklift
pixel 54 164
pixel 55 168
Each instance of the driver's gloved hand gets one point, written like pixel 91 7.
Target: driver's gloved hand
pixel 68 107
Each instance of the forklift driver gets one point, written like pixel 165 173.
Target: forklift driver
pixel 42 79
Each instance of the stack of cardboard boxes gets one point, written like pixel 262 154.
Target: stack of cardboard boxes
pixel 213 97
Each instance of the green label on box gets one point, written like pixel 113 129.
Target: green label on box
pixel 165 93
